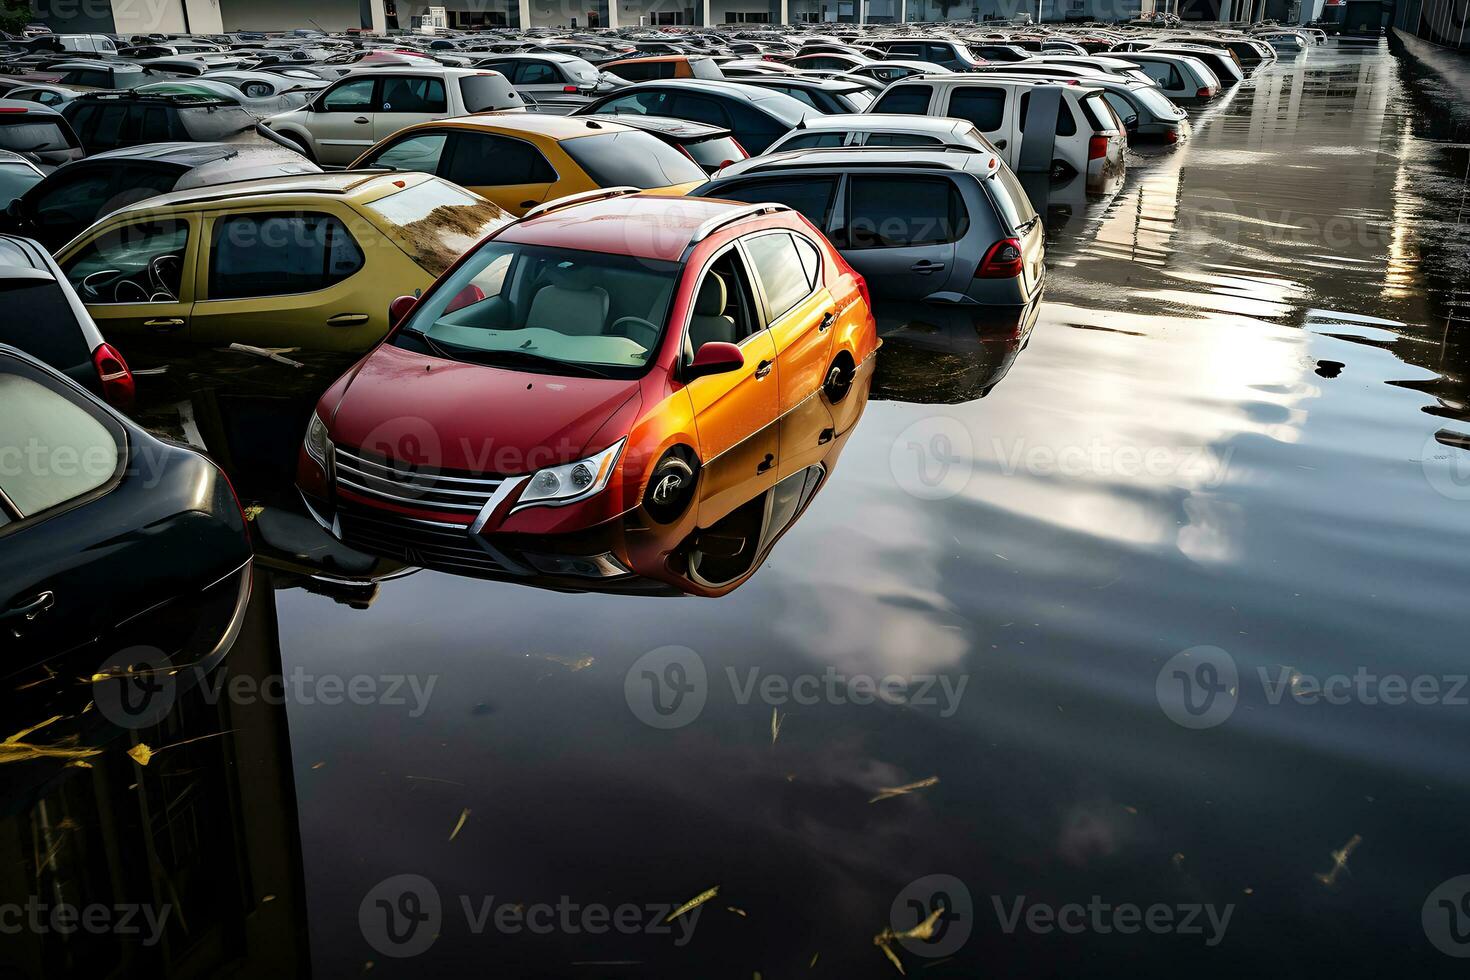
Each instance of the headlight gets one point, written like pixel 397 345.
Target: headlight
pixel 558 485
pixel 317 444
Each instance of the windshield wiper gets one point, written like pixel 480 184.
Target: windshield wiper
pixel 531 358
pixel 433 345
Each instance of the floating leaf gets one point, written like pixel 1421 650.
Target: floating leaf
pixel 776 720
pixel 1339 861
pixel 888 794
pixel 739 912
pixel 693 903
pixel 141 753
pixel 924 931
pixel 463 816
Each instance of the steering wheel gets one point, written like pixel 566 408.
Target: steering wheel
pixel 160 270
pixel 127 291
pixel 631 327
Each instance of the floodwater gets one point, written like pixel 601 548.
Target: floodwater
pixel 1162 592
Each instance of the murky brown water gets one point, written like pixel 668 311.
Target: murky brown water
pixel 1095 566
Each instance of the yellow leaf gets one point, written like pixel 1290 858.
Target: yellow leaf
pixel 463 816
pixel 141 753
pixel 694 903
pixel 890 793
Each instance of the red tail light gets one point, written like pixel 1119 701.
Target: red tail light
pixel 569 88
pixel 1172 136
pixel 117 381
pixel 740 148
pixel 1002 260
pixel 1205 93
pixel 1097 148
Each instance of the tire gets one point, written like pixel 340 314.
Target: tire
pixel 839 378
pixel 671 486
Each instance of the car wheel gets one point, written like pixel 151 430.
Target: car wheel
pixel 671 487
pixel 839 378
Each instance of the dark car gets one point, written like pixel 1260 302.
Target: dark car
pixel 824 95
pixel 108 120
pixel 712 147
pixel 999 52
pixel 103 527
pixel 757 117
pixel 60 206
pixel 39 133
pixel 56 328
pixel 954 55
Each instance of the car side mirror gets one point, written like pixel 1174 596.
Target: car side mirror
pixel 399 309
pixel 715 357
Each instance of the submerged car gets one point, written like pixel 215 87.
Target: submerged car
pixel 307 261
pixel 38 133
pixel 617 352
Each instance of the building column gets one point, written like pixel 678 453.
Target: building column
pixel 785 11
pixel 704 13
pixel 378 16
pixel 203 16
pixel 612 14
pixel 523 11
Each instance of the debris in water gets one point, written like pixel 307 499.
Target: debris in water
pixel 16 749
pixel 1177 860
pixel 885 939
pixel 1339 861
pixel 890 793
pixel 463 816
pixel 739 912
pixel 776 720
pixel 141 753
pixel 693 903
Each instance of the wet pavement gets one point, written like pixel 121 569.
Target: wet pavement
pixel 1149 607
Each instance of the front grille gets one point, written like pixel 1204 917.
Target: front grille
pixel 429 544
pixel 398 483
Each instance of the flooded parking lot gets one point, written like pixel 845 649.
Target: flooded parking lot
pixel 1128 634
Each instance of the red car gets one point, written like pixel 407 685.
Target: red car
pixel 606 352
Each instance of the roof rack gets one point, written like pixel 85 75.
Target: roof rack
pixel 572 200
pixel 730 217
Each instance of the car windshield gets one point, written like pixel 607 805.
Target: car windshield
pixel 861 98
pixel 1155 102
pixel 631 158
pixel 715 152
pixel 552 310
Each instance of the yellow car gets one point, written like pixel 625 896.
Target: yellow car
pixel 309 261
pixel 522 159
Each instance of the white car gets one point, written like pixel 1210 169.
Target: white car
pixel 366 106
pixel 1108 66
pixel 869 129
pixel 1181 77
pixel 1084 133
pixel 892 71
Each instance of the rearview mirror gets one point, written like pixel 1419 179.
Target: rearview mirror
pixel 715 357
pixel 399 308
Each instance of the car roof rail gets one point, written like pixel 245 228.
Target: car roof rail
pixel 572 200
pixel 714 224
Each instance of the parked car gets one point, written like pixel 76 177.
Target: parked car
pixel 1223 63
pixel 892 70
pixel 98 75
pixel 1117 67
pixel 265 85
pixel 881 129
pixel 1084 134
pixel 619 353
pixel 546 73
pixel 822 94
pixel 17 175
pixel 755 116
pixel 1183 79
pixel 111 544
pixel 305 261
pixel 941 232
pixel 993 52
pixel 51 96
pixel 524 159
pixel 38 133
pixel 56 328
pixel 712 147
pixel 661 67
pixel 951 54
pixel 828 62
pixel 58 208
pixel 109 120
pixel 1143 109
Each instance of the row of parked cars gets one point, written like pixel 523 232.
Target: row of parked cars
pixel 660 297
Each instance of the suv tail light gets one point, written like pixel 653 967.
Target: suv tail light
pixel 1002 260
pixel 1097 148
pixel 569 88
pixel 117 381
pixel 1205 93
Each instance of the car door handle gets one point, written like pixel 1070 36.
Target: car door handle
pixel 362 120
pixel 166 323
pixel 762 369
pixel 827 320
pixel 30 610
pixel 926 266
pixel 347 320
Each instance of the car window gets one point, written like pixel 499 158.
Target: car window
pixel 906 50
pixel 71 196
pixel 906 100
pixel 79 448
pixel 651 103
pixel 416 153
pixel 985 107
pixel 353 96
pixel 279 255
pixel 136 263
pixel 799 94
pixel 49 331
pixel 487 91
pixel 901 139
pixel 810 197
pixel 34 135
pixel 939 53
pixel 716 152
pixel 1010 197
pixel 894 212
pixel 15 180
pixel 635 71
pixel 484 160
pixel 1066 124
pixel 699 109
pixel 634 158
pixel 811 260
pixel 536 73
pixel 436 222
pixel 779 268
pixel 806 141
pixel 417 95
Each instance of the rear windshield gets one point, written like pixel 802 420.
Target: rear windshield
pixel 33 136
pixel 704 68
pixel 1010 197
pixel 49 330
pixel 1100 114
pixel 1155 102
pixel 716 152
pixel 632 158
pixel 484 92
pixel 215 123
pixel 860 97
pixel 436 222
